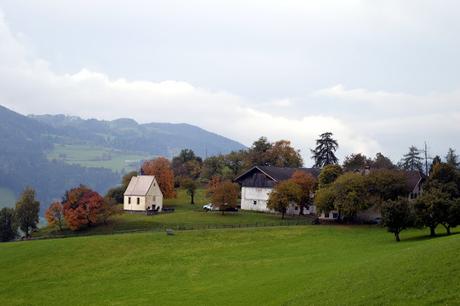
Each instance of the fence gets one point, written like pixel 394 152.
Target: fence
pixel 179 227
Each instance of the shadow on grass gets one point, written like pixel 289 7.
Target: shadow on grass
pixel 428 237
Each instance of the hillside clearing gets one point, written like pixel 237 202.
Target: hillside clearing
pixel 302 265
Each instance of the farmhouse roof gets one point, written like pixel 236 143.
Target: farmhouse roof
pixel 139 185
pixel 279 174
pixel 414 178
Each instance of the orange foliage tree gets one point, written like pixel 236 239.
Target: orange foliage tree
pixel 224 195
pixel 307 184
pixel 83 207
pixel 162 170
pixel 55 215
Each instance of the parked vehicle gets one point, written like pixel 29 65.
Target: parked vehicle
pixel 209 207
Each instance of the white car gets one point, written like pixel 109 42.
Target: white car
pixel 209 206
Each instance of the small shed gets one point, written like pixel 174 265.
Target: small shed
pixel 143 193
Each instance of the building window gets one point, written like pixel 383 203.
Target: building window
pixel 138 201
pixel 129 200
pixel 254 202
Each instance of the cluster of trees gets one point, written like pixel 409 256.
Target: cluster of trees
pixel 23 217
pixel 439 204
pixel 80 207
pixel 299 189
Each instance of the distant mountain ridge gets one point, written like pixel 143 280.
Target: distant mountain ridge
pixel 165 139
pixel 27 141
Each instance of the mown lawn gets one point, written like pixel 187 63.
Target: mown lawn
pixel 298 265
pixel 185 216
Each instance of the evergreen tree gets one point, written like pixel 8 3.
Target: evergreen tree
pixel 452 158
pixel 436 161
pixel 8 227
pixel 412 160
pixel 324 153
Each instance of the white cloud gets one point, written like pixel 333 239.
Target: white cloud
pixel 363 120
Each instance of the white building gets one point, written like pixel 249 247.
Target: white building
pixel 257 183
pixel 143 193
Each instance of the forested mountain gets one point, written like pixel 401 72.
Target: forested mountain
pixel 165 139
pixel 25 144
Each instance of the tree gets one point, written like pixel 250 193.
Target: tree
pixel 412 161
pixel 284 194
pixel 27 209
pixel 235 161
pixel 83 207
pixel 282 154
pixel 445 178
pixel 116 195
pixel 386 184
pixel 187 164
pixel 453 216
pixel 328 175
pixel 8 226
pixel 324 153
pixel 452 158
pixel 224 195
pixel 431 209
pixel 397 216
pixel 307 184
pixel 161 169
pixel 355 162
pixel 436 161
pixel 325 199
pixel 351 194
pixel 190 187
pixel 213 166
pixel 55 215
pixel 382 162
pixel 258 153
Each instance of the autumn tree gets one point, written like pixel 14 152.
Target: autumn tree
pixel 83 207
pixel 329 174
pixel 412 160
pixel 224 195
pixel 397 216
pixel 324 152
pixel 27 209
pixel 324 199
pixel 55 215
pixel 351 195
pixel 284 194
pixel 190 187
pixel 307 184
pixel 161 169
pixel 355 162
pixel 8 225
pixel 386 184
pixel 282 154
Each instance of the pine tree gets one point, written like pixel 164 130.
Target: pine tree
pixel 324 153
pixel 452 158
pixel 412 160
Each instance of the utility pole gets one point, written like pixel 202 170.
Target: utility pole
pixel 425 151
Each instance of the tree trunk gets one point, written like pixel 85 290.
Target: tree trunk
pixel 192 199
pixel 282 215
pixel 432 231
pixel 397 237
pixel 447 229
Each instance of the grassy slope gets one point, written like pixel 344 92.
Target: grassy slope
pixel 185 215
pixel 89 156
pixel 301 265
pixel 7 197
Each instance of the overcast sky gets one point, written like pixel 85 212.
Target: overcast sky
pixel 381 75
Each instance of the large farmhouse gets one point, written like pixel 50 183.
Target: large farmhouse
pixel 143 193
pixel 258 182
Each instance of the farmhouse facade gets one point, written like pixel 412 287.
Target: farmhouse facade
pixel 258 182
pixel 143 193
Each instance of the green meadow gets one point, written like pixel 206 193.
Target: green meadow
pixel 295 265
pixel 92 156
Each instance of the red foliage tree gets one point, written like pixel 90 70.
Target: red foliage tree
pixel 83 207
pixel 162 170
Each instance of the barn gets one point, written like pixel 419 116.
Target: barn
pixel 257 183
pixel 143 193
